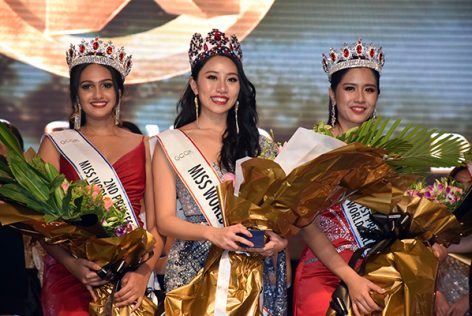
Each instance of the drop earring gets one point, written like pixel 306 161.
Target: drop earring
pixel 196 108
pixel 236 108
pixel 332 119
pixel 77 116
pixel 117 112
pixel 374 114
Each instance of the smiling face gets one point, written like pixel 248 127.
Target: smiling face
pixel 217 85
pixel 355 97
pixel 96 92
pixel 464 177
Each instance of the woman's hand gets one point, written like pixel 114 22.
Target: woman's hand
pixel 133 288
pixel 441 306
pixel 359 292
pixel 460 307
pixel 86 272
pixel 273 246
pixel 227 237
pixel 439 251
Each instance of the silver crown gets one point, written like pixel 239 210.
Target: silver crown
pixel 96 51
pixel 354 56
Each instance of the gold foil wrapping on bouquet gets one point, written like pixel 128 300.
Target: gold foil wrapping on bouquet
pixel 13 213
pixel 429 218
pixel 384 195
pixel 270 199
pixel 198 296
pixel 407 271
pixel 98 308
pixel 79 241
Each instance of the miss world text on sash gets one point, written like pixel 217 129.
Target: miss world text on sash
pixel 92 166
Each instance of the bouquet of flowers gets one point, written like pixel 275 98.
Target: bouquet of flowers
pixel 70 214
pixel 311 173
pixel 27 180
pixel 445 191
pixel 421 215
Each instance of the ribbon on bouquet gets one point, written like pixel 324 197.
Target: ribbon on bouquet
pixel 388 229
pixel 401 260
pixel 113 272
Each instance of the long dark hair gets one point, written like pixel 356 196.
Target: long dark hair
pixel 235 145
pixel 335 80
pixel 74 83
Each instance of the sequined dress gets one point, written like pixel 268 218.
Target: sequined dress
pixel 187 257
pixel 314 282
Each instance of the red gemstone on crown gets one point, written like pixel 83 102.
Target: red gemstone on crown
pixel 205 47
pixel 359 49
pixel 346 53
pixel 217 36
pixel 372 53
pixel 121 56
pixel 333 56
pixel 95 45
pixel 109 50
pixel 82 49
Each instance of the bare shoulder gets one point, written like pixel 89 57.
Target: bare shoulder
pixel 130 138
pixel 48 152
pixel 190 128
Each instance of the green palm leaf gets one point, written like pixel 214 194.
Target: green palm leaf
pixel 412 149
pixel 9 140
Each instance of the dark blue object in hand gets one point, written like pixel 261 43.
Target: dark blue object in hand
pixel 257 238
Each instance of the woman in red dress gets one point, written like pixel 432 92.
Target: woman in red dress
pixel 97 72
pixel 354 76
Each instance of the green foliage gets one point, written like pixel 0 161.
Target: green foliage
pixel 9 140
pixel 29 181
pixel 413 149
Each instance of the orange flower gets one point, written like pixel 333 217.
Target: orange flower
pixel 107 202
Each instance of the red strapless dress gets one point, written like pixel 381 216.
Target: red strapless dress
pixel 62 293
pixel 314 283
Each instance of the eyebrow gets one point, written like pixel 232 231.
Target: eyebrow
pixel 216 72
pixel 355 84
pixel 101 81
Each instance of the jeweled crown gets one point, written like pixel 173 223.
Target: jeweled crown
pixel 216 43
pixel 353 56
pixel 96 51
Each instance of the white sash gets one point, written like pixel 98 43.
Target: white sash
pixel 195 172
pixel 200 180
pixel 358 216
pixel 90 165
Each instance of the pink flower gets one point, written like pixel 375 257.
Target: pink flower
pixel 229 177
pixel 65 186
pixel 107 202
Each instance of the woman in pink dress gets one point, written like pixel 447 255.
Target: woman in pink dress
pixel 97 72
pixel 354 74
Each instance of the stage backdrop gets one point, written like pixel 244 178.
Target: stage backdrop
pixel 427 76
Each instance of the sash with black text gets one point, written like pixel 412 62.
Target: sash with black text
pixel 91 166
pixel 201 180
pixel 195 172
